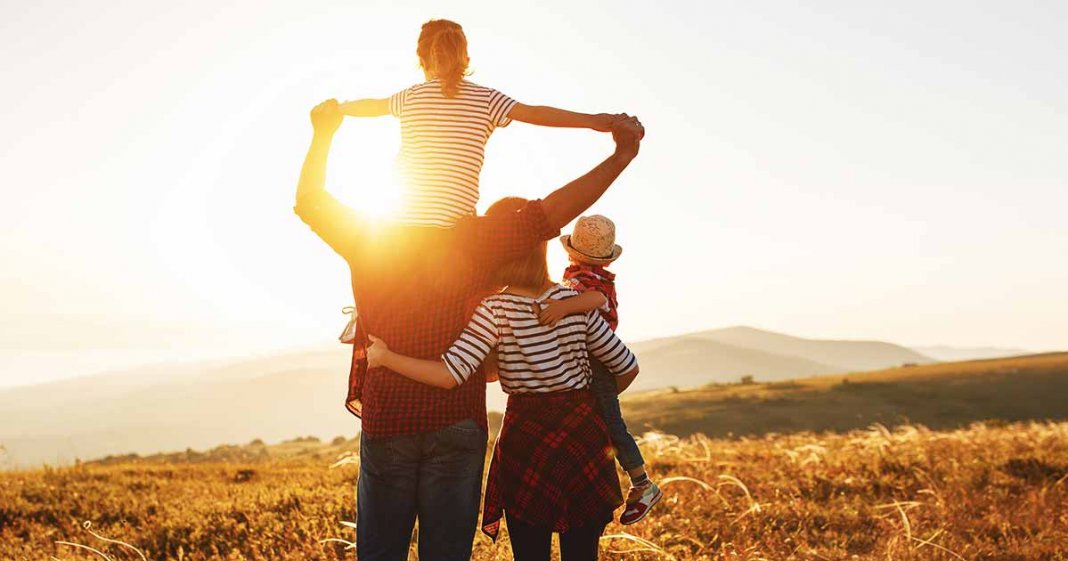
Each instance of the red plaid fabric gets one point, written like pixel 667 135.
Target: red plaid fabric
pixel 553 466
pixel 416 288
pixel 584 278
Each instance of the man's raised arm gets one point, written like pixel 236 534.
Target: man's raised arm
pixel 325 118
pixel 335 223
pixel 494 239
pixel 568 202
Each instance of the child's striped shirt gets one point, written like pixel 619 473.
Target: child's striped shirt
pixel 443 143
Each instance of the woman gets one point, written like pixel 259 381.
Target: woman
pixel 552 467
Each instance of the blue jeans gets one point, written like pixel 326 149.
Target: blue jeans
pixel 604 389
pixel 433 476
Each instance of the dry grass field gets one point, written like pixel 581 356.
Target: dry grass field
pixel 985 492
pixel 839 467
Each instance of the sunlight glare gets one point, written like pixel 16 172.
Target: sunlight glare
pixel 374 195
pixel 361 168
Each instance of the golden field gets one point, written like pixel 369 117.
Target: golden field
pixel 837 467
pixel 994 492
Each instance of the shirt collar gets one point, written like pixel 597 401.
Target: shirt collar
pixel 596 270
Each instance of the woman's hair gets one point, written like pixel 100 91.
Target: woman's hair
pixel 442 52
pixel 530 270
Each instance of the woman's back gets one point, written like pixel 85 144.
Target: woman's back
pixel 532 357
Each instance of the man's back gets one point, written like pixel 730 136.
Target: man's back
pixel 416 288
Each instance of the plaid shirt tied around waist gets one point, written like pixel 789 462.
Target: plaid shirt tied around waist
pixel 553 465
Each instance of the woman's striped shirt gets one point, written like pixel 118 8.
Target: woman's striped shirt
pixel 443 142
pixel 532 357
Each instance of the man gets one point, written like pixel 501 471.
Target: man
pixel 422 448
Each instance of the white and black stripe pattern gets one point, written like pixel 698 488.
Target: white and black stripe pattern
pixel 533 357
pixel 443 143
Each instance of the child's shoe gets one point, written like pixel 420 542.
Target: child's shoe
pixel 639 501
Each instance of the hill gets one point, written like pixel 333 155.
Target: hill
pixel 787 354
pixel 202 405
pixel 179 406
pixel 726 355
pixel 690 360
pixel 945 395
pixel 841 355
pixel 955 354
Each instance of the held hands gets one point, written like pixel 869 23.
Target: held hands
pixel 377 352
pixel 627 132
pixel 606 122
pixel 602 122
pixel 326 117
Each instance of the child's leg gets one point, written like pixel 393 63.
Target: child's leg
pixel 627 452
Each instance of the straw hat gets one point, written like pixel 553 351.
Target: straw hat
pixel 593 241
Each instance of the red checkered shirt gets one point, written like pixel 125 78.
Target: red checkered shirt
pixel 416 288
pixel 584 278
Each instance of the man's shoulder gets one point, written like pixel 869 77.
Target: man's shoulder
pixel 501 232
pixel 338 225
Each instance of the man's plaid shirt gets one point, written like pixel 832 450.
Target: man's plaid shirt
pixel 416 288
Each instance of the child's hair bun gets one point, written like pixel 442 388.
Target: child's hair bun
pixel 442 51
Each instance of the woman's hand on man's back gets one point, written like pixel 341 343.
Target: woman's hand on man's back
pixel 377 352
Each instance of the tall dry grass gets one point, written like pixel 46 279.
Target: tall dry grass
pixel 986 492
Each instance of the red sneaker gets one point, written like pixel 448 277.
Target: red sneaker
pixel 639 501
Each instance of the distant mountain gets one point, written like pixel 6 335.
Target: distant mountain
pixel 841 355
pixel 178 406
pixel 725 355
pixel 951 354
pixel 693 360
pixel 201 405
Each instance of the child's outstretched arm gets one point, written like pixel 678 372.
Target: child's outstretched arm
pixel 365 107
pixel 556 310
pixel 464 357
pixel 552 117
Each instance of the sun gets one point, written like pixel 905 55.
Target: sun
pixel 361 173
pixel 375 196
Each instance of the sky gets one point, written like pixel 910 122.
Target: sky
pixel 857 170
